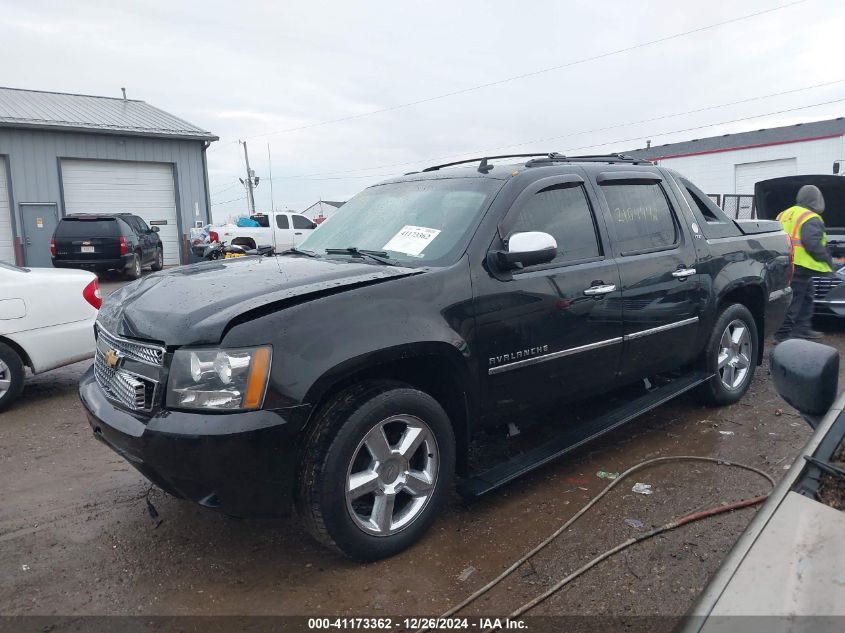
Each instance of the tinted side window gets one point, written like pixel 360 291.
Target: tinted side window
pixel 142 226
pixel 282 222
pixel 301 222
pixel 642 217
pixel 564 213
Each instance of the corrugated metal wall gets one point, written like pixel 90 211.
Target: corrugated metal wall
pixel 34 157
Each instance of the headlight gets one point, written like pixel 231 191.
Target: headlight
pixel 231 379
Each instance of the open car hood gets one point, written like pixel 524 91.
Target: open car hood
pixel 777 194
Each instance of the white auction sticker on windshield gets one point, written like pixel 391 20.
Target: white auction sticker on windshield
pixel 411 240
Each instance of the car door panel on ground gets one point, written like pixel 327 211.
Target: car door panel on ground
pixel 541 330
pixel 660 287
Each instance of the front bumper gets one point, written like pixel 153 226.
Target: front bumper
pixel 829 295
pixel 242 464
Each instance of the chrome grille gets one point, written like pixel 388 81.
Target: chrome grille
pixel 133 387
pixel 121 386
pixel 823 285
pixel 152 354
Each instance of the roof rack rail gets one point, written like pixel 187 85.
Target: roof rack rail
pixel 588 158
pixel 481 159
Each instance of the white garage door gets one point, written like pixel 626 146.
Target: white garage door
pixel 145 189
pixel 7 239
pixel 749 174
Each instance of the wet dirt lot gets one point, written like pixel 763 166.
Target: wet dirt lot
pixel 76 537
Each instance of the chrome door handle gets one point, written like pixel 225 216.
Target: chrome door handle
pixel 599 290
pixel 683 273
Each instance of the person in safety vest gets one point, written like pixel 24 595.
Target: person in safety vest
pixel 805 228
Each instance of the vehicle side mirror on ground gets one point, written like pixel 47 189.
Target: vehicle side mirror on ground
pixel 154 229
pixel 806 375
pixel 529 248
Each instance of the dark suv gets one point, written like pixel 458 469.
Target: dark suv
pixel 100 242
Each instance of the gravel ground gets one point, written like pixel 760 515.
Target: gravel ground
pixel 76 538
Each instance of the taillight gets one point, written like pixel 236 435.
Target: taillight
pixel 213 237
pixel 124 247
pixel 91 294
pixel 52 247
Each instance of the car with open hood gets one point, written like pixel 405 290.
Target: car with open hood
pixel 778 194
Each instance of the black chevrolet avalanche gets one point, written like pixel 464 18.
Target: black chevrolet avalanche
pixel 347 378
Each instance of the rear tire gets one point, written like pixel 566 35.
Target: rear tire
pixel 133 269
pixel 11 375
pixel 158 262
pixel 359 492
pixel 731 353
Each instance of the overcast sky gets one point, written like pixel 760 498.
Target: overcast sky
pixel 255 70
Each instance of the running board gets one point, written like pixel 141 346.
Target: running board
pixel 567 442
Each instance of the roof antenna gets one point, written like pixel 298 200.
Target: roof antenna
pixel 648 143
pixel 123 90
pixel 484 167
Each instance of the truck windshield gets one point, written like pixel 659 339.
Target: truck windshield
pixel 414 222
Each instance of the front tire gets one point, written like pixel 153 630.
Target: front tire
pixel 377 468
pixel 11 375
pixel 731 354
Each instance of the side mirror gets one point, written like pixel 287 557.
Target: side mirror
pixel 806 375
pixel 529 248
pixel 154 229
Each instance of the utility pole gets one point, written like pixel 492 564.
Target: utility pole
pixel 251 181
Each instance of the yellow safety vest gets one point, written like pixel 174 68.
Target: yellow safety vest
pixel 792 220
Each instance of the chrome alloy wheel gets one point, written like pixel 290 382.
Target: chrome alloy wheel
pixel 734 354
pixel 5 378
pixel 392 475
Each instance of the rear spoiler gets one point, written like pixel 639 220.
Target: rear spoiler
pixel 754 227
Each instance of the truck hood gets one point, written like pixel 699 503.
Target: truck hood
pixel 778 194
pixel 193 305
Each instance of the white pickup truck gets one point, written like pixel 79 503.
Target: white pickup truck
pixel 280 229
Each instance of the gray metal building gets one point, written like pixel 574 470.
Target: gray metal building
pixel 65 153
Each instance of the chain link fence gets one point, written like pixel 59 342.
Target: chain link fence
pixel 739 207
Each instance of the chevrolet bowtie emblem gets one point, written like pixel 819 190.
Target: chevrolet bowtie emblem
pixel 113 358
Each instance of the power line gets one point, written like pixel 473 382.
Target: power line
pixel 217 204
pixel 219 191
pixel 640 136
pixel 701 127
pixel 534 73
pixel 567 135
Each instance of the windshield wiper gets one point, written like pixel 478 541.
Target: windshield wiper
pixel 297 251
pixel 378 256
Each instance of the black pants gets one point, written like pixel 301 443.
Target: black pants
pixel 799 317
